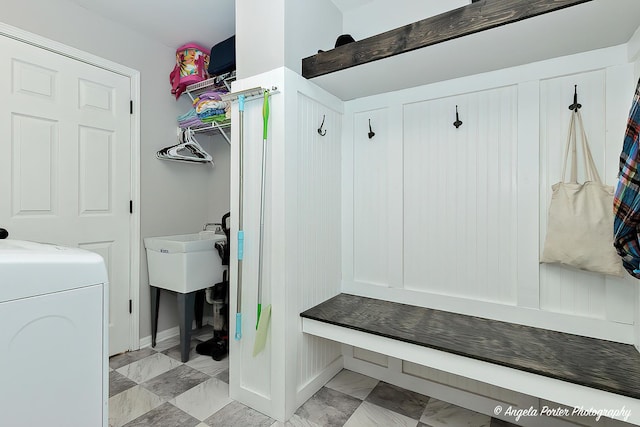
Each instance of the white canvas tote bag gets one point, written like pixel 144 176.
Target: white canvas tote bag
pixel 580 222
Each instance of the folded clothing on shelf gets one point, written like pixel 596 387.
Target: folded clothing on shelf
pixel 208 107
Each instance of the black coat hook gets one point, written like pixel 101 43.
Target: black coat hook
pixel 371 133
pixel 575 106
pixel 458 122
pixel 320 131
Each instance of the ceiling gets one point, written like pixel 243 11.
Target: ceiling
pixel 171 22
pixel 174 23
pixel 589 26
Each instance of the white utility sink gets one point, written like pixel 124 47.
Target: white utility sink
pixel 185 262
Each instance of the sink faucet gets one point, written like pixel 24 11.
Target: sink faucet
pixel 218 226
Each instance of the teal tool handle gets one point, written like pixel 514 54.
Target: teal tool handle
pixel 240 244
pixel 265 114
pixel 238 326
pixel 240 102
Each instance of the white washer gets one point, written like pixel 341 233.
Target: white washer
pixel 53 336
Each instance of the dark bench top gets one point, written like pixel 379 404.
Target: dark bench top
pixel 590 362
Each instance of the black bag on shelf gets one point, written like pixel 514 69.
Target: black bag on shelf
pixel 223 57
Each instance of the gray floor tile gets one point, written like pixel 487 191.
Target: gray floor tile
pixel 175 382
pixel 175 352
pixel 439 413
pixel 165 415
pixel 353 384
pixel 398 400
pixel 223 376
pixel 119 383
pixel 124 359
pixel 237 414
pixel 328 407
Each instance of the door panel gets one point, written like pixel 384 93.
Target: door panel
pixel 65 176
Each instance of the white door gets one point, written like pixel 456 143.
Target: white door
pixel 65 162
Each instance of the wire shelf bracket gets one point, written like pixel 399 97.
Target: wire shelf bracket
pixel 249 94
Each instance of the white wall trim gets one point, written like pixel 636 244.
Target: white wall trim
pixel 161 336
pixel 633 46
pixel 134 76
pixel 571 64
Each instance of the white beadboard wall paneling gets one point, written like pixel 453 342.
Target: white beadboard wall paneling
pixel 564 290
pixel 620 88
pixel 347 241
pixel 528 172
pixel 460 196
pixel 319 227
pixel 569 323
pixel 371 197
pixel 395 175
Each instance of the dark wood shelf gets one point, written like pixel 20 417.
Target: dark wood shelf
pixel 476 17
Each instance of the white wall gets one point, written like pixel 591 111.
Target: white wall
pixel 175 197
pixel 280 33
pixel 378 16
pixel 313 25
pixel 259 36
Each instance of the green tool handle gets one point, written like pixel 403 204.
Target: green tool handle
pixel 265 114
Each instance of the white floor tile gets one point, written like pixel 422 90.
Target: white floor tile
pixel 370 415
pixel 204 400
pixel 130 404
pixel 353 384
pixel 443 414
pixel 149 367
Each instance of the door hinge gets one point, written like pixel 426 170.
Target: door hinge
pixel 131 107
pixel 130 306
pixel 130 206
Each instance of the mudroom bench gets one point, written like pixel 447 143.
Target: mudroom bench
pixel 573 370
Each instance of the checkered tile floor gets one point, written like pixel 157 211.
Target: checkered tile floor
pixel 151 387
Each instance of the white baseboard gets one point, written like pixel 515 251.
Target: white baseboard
pixel 309 389
pixel 161 336
pixel 170 333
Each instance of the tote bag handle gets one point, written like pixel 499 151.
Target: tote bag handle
pixel 591 171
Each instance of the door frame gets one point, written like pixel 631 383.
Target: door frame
pixel 134 220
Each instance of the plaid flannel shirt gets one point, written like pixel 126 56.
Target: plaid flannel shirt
pixel 626 201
